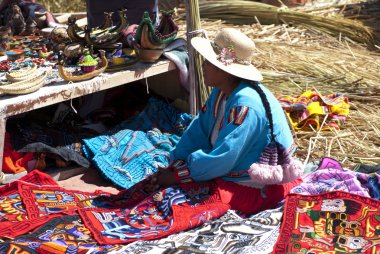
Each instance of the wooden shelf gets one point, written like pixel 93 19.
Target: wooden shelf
pixel 63 91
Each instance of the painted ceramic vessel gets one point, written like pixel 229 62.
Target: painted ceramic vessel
pixel 87 62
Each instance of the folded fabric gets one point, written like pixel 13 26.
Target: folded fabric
pixel 58 152
pixel 331 176
pixel 176 51
pixel 135 148
pixel 61 235
pixel 228 234
pixel 311 108
pixel 14 162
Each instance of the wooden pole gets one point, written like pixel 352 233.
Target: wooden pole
pixel 193 23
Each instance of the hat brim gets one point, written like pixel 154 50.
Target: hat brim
pixel 204 47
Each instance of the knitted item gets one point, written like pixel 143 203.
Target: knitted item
pixel 265 174
pixel 275 166
pixel 292 170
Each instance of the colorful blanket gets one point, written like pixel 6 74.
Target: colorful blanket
pixel 331 176
pixel 334 222
pixel 62 235
pixel 35 199
pixel 135 148
pixel 25 206
pixel 162 213
pixel 228 234
pixel 311 108
pixel 14 219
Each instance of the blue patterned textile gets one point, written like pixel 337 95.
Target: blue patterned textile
pixel 135 148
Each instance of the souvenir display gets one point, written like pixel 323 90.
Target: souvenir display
pixel 75 52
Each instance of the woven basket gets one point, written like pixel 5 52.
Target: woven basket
pixel 26 86
pixel 22 75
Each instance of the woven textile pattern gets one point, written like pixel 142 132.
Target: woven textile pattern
pixel 135 148
pixel 163 213
pixel 334 222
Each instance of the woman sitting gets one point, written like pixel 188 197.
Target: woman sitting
pixel 239 120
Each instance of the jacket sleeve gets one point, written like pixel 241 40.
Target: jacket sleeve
pixel 196 135
pixel 243 128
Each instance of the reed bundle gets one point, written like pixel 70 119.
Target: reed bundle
pixel 198 91
pixel 248 12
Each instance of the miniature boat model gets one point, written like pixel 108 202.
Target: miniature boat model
pixel 26 86
pixel 22 74
pixel 149 37
pixel 73 33
pixel 110 35
pixel 102 66
pixel 107 20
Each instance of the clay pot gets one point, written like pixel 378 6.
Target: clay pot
pixel 73 50
pixel 59 35
pixel 15 54
pixel 149 55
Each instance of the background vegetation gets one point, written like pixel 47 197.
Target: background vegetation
pixel 64 5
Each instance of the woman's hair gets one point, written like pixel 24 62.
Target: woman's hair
pixel 255 85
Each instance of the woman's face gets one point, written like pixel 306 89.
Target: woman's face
pixel 212 74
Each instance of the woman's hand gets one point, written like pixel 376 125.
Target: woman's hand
pixel 151 184
pixel 166 177
pixel 163 178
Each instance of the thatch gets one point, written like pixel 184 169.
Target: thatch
pixel 248 12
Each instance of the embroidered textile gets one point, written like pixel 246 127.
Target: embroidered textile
pixel 139 145
pixel 14 219
pixel 47 200
pixel 66 234
pixel 163 213
pixel 334 222
pixel 228 234
pixel 311 108
pixel 331 176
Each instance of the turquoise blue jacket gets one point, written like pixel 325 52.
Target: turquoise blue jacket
pixel 243 135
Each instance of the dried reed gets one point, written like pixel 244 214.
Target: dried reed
pixel 248 12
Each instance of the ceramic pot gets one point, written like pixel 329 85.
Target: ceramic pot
pixel 149 55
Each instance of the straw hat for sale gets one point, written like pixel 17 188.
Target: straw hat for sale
pixel 231 51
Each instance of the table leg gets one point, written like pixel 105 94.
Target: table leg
pixel 3 122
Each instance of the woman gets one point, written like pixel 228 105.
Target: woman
pixel 232 130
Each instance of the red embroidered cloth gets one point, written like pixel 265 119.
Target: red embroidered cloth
pixel 163 213
pixel 14 220
pixel 333 223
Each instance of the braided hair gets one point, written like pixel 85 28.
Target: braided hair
pixel 257 88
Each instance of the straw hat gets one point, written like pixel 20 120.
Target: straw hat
pixel 231 51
